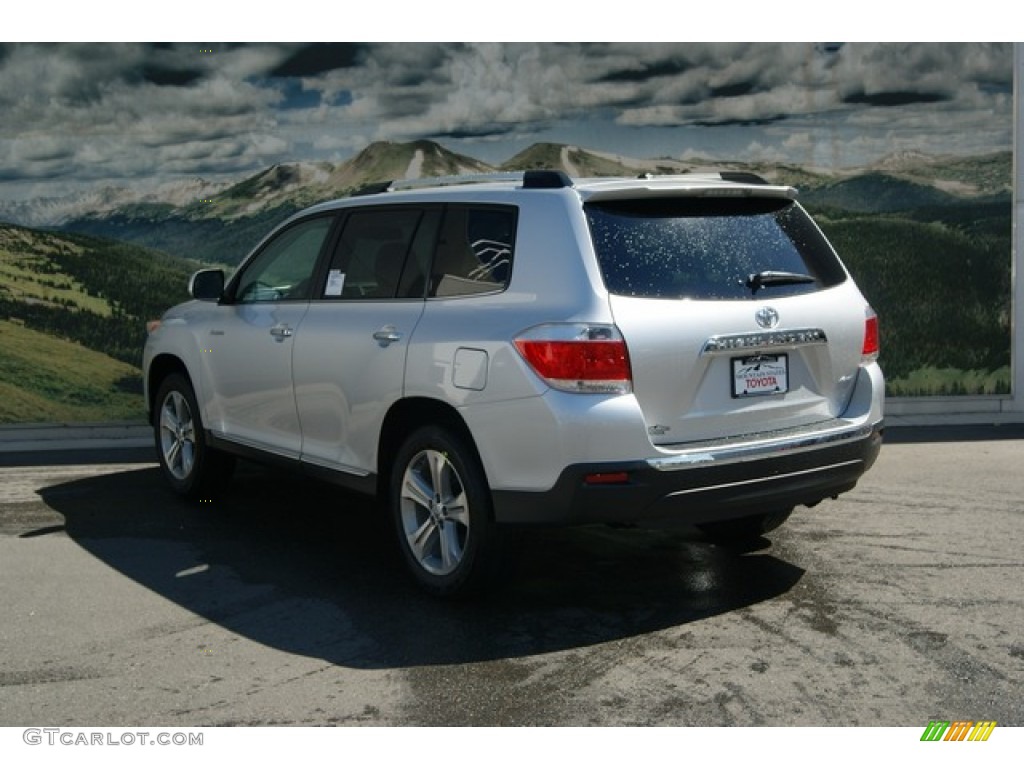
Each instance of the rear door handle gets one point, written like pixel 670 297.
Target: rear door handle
pixel 387 335
pixel 281 332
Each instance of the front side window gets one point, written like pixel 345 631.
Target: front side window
pixel 709 248
pixel 474 251
pixel 283 270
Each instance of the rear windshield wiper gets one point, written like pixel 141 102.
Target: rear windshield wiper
pixel 759 280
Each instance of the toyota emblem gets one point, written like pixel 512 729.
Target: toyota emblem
pixel 767 317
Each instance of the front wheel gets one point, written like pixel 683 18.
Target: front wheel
pixel 441 506
pixel 191 468
pixel 744 528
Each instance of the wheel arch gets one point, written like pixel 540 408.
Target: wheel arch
pixel 405 417
pixel 160 368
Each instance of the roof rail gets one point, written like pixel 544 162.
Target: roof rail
pixel 451 181
pixel 536 179
pixel 546 179
pixel 372 189
pixel 742 177
pixel 739 177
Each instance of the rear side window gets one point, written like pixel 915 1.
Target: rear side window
pixel 474 250
pixel 381 254
pixel 708 248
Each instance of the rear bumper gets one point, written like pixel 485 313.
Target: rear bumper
pixel 704 483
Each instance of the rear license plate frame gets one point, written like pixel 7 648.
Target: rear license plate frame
pixel 760 375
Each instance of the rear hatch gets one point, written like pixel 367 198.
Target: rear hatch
pixel 738 316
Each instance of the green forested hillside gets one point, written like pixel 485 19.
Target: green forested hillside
pixel 941 288
pixel 48 379
pixel 73 310
pixel 876 193
pixel 94 291
pixel 181 232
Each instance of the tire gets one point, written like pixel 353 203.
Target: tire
pixel 442 512
pixel 744 528
pixel 191 468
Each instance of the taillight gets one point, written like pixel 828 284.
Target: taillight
pixel 578 357
pixel 869 353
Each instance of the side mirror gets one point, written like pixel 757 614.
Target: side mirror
pixel 207 284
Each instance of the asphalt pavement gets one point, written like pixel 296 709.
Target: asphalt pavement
pixel 284 603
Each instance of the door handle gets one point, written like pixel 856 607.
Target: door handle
pixel 387 335
pixel 281 332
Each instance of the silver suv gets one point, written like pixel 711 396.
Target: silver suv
pixel 480 353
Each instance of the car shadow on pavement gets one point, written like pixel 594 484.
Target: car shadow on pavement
pixel 306 568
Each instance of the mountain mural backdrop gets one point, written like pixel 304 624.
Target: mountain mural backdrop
pixel 926 237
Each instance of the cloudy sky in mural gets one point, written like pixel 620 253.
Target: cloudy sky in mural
pixel 121 113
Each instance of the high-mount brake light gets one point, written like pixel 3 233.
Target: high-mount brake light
pixel 578 357
pixel 869 352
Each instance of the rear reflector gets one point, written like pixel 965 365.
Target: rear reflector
pixel 607 478
pixel 578 357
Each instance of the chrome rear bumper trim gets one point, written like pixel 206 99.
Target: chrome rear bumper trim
pixel 756 449
pixel 753 480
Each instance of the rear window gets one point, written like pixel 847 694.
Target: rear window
pixel 709 248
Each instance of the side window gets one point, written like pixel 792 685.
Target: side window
pixel 381 254
pixel 283 270
pixel 474 251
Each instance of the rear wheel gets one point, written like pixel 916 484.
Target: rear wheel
pixel 744 528
pixel 441 506
pixel 192 469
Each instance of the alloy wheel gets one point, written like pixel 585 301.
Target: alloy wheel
pixel 434 512
pixel 177 436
